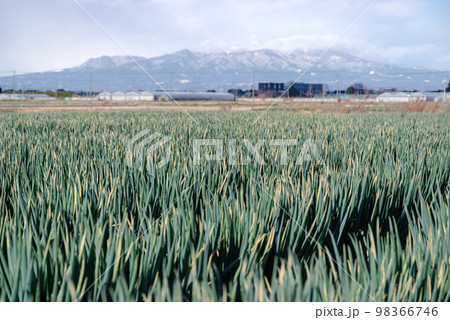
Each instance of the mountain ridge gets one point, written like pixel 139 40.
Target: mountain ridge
pixel 235 68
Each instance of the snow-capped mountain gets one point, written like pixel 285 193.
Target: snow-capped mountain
pixel 236 68
pixel 107 62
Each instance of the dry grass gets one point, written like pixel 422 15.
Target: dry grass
pixel 241 105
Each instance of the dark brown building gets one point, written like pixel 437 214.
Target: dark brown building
pixel 271 89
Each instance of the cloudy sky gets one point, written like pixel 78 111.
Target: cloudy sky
pixel 53 34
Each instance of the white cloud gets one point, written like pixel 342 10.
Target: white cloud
pixel 56 34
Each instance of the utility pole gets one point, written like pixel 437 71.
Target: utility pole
pixel 445 86
pixel 170 89
pixel 90 85
pixel 14 85
pixel 337 84
pixel 253 87
pixel 56 89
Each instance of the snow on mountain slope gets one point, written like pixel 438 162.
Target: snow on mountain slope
pixel 235 68
pixel 107 62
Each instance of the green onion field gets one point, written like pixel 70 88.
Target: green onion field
pixel 368 221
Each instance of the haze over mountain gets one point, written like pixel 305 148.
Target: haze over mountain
pixel 236 68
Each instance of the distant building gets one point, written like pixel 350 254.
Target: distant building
pixel 118 96
pixel 271 89
pixel 300 89
pixel 131 96
pixel 250 93
pixel 401 97
pixel 193 96
pixel 236 92
pixel 104 96
pixel 37 96
pixel 126 96
pixel 146 96
pixel 26 96
pixel 417 96
pixel 437 97
pixel 4 96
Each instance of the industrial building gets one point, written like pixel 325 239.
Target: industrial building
pixel 118 96
pixel 193 96
pixel 238 93
pixel 300 89
pixel 164 96
pixel 146 96
pixel 125 96
pixel 25 96
pixel 131 96
pixel 104 96
pixel 270 89
pixel 401 97
pixel 437 97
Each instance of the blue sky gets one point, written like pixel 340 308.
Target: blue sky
pixel 54 34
